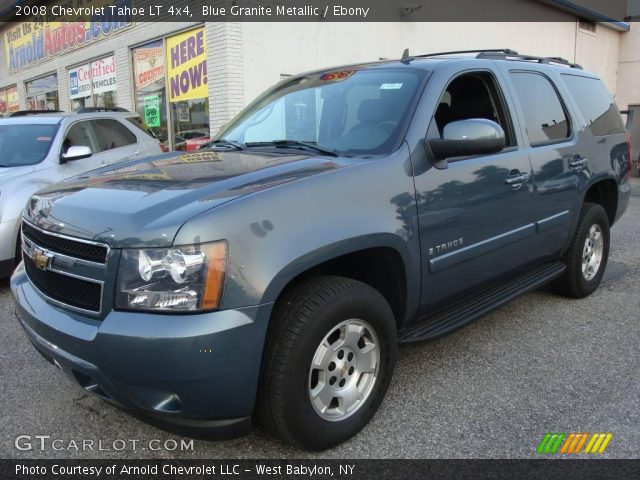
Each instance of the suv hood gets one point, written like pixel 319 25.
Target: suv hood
pixel 9 173
pixel 143 203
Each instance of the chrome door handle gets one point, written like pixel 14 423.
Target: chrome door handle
pixel 517 179
pixel 578 163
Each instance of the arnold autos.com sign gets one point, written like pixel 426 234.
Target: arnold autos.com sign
pixel 28 43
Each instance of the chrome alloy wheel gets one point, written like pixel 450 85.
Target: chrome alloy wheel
pixel 592 252
pixel 344 369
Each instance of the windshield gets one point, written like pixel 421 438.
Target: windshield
pixel 350 111
pixel 22 144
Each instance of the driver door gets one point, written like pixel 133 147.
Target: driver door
pixel 474 212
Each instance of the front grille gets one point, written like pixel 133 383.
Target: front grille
pixel 65 246
pixel 62 288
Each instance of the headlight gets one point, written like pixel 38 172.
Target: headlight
pixel 185 278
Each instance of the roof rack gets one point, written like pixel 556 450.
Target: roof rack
pixel 101 109
pixel 24 113
pixel 528 58
pixel 505 51
pixel 495 54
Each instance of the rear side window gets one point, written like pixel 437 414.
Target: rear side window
pixel 112 134
pixel 596 104
pixel 139 122
pixel 544 117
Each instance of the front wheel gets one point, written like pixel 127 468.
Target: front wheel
pixel 587 256
pixel 329 358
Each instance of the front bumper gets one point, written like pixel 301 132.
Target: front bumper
pixel 192 374
pixel 8 235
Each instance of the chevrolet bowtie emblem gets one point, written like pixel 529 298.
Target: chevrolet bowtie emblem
pixel 42 259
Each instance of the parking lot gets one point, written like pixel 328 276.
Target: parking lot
pixel 541 364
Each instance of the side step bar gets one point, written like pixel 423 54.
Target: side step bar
pixel 477 305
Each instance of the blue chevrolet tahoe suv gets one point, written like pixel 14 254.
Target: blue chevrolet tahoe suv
pixel 344 211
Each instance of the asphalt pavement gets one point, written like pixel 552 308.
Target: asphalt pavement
pixel 540 364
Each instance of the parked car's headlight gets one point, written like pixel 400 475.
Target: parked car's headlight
pixel 172 279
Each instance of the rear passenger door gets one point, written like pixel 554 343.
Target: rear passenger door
pixel 560 165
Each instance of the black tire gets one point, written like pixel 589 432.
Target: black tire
pixel 300 322
pixel 573 282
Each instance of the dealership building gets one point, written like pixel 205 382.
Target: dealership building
pixel 189 79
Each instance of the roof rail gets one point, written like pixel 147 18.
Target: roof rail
pixel 101 109
pixel 24 113
pixel 495 54
pixel 528 58
pixel 504 51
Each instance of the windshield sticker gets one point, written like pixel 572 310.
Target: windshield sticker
pixel 390 86
pixel 43 139
pixel 336 76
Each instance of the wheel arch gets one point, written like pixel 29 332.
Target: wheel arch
pixel 381 261
pixel 604 192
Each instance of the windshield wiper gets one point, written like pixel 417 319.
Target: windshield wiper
pixel 228 143
pixel 295 144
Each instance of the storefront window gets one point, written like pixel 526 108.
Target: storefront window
pixel 13 102
pixel 42 93
pixel 93 84
pixel 3 103
pixel 80 87
pixel 188 90
pixel 150 91
pixel 190 123
pixel 104 82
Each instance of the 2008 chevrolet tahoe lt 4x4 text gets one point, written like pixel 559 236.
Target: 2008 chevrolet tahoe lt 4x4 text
pixel 343 211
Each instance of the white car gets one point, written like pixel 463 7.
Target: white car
pixel 40 149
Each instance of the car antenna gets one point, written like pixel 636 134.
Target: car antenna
pixel 406 58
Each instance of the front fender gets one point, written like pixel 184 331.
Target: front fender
pixel 278 233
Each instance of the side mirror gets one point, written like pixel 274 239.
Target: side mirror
pixel 475 136
pixel 76 152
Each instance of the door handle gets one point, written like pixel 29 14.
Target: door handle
pixel 578 163
pixel 517 179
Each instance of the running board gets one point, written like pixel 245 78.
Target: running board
pixel 471 308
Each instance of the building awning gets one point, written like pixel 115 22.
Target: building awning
pixel 610 13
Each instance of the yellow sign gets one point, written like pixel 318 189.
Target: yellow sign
pixel 28 43
pixel 187 66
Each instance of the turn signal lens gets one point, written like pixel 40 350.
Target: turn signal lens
pixel 216 255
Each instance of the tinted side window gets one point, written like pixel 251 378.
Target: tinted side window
pixel 473 95
pixel 112 134
pixel 81 134
pixel 139 122
pixel 596 104
pixel 544 117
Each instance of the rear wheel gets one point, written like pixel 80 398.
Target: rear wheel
pixel 328 362
pixel 588 253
